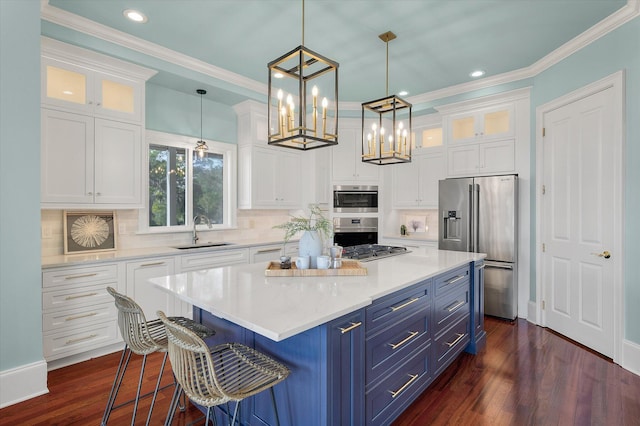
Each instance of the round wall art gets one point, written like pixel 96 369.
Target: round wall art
pixel 89 232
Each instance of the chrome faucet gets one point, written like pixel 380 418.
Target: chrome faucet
pixel 196 219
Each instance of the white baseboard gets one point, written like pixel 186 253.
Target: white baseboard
pixel 532 313
pixel 630 359
pixel 22 383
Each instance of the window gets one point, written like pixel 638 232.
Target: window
pixel 183 185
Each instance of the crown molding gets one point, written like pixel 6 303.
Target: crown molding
pixel 100 31
pixel 57 16
pixel 90 59
pixel 625 14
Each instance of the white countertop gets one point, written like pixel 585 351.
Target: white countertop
pixel 281 307
pixel 117 255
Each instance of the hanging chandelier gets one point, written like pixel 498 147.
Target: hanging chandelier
pixel 201 145
pixel 386 125
pixel 297 80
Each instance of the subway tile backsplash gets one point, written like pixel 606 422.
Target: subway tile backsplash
pixel 251 225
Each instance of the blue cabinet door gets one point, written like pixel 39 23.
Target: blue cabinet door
pixel 345 368
pixel 478 335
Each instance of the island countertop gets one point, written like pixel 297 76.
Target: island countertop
pixel 281 307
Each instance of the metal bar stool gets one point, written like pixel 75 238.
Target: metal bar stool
pixel 142 337
pixel 217 375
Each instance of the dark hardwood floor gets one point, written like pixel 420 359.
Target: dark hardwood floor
pixel 528 376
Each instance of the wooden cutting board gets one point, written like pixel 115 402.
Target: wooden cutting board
pixel 349 267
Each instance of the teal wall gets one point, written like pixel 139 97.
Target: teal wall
pixel 176 112
pixel 618 50
pixel 20 288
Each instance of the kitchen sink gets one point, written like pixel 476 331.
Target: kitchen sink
pixel 202 245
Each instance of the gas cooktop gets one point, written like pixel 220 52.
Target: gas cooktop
pixel 368 252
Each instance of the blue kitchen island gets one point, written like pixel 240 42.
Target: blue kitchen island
pixel 360 348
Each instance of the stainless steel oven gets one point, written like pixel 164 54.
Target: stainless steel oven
pixel 353 231
pixel 355 199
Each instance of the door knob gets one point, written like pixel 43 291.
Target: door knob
pixel 604 254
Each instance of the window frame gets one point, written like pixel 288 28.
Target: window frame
pixel 229 153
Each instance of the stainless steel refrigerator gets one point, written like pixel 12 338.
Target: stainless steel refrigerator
pixel 481 215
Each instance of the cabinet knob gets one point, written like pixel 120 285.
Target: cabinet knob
pixel 89 193
pixel 90 102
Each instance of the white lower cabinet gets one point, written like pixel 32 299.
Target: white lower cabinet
pixel 206 260
pixel 78 314
pixel 266 254
pixel 149 297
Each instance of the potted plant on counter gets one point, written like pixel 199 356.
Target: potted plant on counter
pixel 314 228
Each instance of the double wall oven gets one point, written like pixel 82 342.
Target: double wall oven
pixel 353 223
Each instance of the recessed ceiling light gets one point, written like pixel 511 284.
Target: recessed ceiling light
pixel 135 16
pixel 477 73
pixel 403 93
pixel 67 92
pixel 278 75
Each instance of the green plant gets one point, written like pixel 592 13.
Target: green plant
pixel 315 222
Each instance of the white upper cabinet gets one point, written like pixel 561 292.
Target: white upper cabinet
pixel 347 165
pixel 92 129
pixel 75 88
pixel 415 184
pixel 268 177
pixel 481 125
pixel 483 158
pixel 87 161
pixel 486 136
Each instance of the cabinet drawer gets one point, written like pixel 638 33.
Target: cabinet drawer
pixel 453 279
pixel 387 311
pixel 213 259
pixel 68 342
pixel 74 297
pixel 398 390
pixel 387 349
pixel 451 343
pixel 75 276
pixel 450 307
pixel 79 317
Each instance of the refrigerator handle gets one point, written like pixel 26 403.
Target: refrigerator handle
pixel 475 221
pixel 500 265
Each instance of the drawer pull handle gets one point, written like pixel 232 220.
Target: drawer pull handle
pixel 144 265
pixel 80 296
pixel 395 308
pixel 351 327
pixel 75 317
pixel 412 334
pixel 73 277
pixel 268 250
pixel 411 380
pixel 456 279
pixel 460 337
pixel 72 341
pixel 453 308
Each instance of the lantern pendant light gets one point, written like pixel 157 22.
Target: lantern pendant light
pixel 386 125
pixel 297 80
pixel 201 145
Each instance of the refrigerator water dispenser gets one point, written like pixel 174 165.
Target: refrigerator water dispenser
pixel 452 226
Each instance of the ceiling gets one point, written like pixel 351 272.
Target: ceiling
pixel 439 42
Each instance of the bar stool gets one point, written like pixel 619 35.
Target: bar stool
pixel 217 375
pixel 142 337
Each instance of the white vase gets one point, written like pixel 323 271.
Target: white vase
pixel 310 245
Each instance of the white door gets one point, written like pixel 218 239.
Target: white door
pixel 578 217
